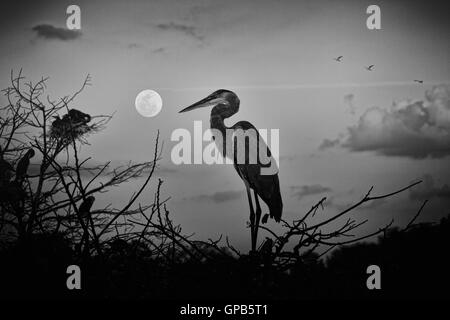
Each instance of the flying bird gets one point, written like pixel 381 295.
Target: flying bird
pixel 224 104
pixel 369 68
pixel 418 81
pixel 339 59
pixel 23 164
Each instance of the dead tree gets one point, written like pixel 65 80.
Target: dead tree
pixel 50 193
pixel 303 239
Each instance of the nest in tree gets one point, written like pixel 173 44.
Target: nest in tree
pixel 75 125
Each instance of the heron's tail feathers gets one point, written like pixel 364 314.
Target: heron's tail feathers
pixel 276 208
pixel 269 191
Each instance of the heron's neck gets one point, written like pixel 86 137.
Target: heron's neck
pixel 217 122
pixel 219 113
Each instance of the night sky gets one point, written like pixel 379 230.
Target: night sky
pixel 342 128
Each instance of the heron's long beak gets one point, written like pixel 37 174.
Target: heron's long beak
pixel 209 101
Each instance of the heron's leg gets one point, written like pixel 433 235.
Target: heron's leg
pixel 252 217
pixel 258 216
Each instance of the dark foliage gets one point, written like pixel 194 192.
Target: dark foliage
pixel 413 263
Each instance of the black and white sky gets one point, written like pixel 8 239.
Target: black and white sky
pixel 342 128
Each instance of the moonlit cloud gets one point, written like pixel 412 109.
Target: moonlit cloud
pixel 415 129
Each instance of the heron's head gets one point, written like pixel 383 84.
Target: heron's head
pixel 90 200
pixel 30 153
pixel 78 116
pixel 220 97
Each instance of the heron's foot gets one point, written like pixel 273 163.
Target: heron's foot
pixel 265 218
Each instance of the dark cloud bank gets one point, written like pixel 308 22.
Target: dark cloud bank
pixel 182 28
pixel 48 31
pixel 219 197
pixel 428 190
pixel 300 192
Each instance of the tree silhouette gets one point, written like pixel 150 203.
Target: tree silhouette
pixel 56 193
pixel 50 218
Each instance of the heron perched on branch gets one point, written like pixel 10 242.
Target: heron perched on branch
pixel 84 209
pixel 77 117
pixel 6 170
pixel 84 212
pixel 224 104
pixel 23 164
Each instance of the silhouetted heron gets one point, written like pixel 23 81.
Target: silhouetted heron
pixel 77 117
pixel 23 164
pixel 6 170
pixel 339 59
pixel 370 68
pixel 225 103
pixel 84 209
pixel 84 212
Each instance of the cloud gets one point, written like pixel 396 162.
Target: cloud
pixel 342 205
pixel 219 197
pixel 349 103
pixel 134 45
pixel 163 170
pixel 327 143
pixel 307 190
pixel 288 158
pixel 159 50
pixel 182 28
pixel 34 169
pixel 415 129
pixel 48 31
pixel 428 190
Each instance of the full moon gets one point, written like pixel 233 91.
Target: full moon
pixel 148 103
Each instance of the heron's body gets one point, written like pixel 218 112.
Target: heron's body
pixel 225 104
pixel 6 170
pixel 22 165
pixel 85 208
pixel 77 117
